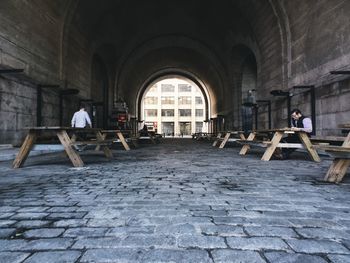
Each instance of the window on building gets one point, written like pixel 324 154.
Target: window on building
pixel 185 128
pixel 151 113
pixel 153 88
pixel 167 88
pixel 168 128
pixel 168 100
pixel 199 100
pixel 185 100
pixel 151 100
pixel 199 126
pixel 185 88
pixel 199 113
pixel 167 113
pixel 185 112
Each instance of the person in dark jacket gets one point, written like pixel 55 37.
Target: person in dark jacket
pixel 144 131
pixel 298 123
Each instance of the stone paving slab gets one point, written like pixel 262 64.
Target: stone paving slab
pixel 178 201
pixel 282 257
pixel 14 257
pixel 54 257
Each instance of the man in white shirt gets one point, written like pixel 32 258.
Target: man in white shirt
pixel 81 118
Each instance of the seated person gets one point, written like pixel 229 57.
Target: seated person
pixel 299 123
pixel 144 131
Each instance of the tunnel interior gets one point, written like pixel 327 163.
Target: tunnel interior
pixel 109 51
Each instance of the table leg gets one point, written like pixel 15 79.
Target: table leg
pixel 98 147
pixel 122 139
pixel 73 139
pixel 246 147
pixel 217 139
pixel 309 147
pixel 242 137
pixel 223 143
pixel 25 149
pixel 105 148
pixel 272 147
pixel 337 170
pixel 67 144
pixel 134 141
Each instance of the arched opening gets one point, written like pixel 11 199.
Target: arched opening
pixel 174 106
pixel 248 91
pixel 244 71
pixel 99 93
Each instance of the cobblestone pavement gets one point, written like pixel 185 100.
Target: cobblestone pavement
pixel 178 201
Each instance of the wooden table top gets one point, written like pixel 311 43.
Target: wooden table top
pixel 113 131
pixel 289 130
pixel 59 128
pixel 233 132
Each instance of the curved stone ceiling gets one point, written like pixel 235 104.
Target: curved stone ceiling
pixel 192 35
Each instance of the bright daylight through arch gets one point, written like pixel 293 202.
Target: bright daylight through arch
pixel 174 107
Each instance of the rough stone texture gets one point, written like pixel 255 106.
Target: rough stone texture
pixel 43 233
pixel 54 257
pixel 13 257
pixel 317 246
pixel 257 243
pixel 226 256
pixel 339 258
pixel 282 257
pixel 112 255
pixel 191 202
pixel 180 256
pixel 6 232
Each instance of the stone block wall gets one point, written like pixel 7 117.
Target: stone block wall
pixel 31 39
pixel 17 110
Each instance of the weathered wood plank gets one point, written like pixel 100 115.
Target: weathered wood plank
pixel 338 168
pixel 272 147
pixel 67 144
pixel 105 148
pixel 227 136
pixel 246 147
pixel 218 137
pixel 309 147
pixel 25 149
pixel 122 139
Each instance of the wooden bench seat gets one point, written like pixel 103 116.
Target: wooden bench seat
pixel 62 133
pixel 341 161
pixel 256 143
pixel 94 142
pixel 332 140
pixel 230 136
pixel 267 143
pixel 271 144
pixel 338 151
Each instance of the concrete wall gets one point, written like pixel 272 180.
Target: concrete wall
pixel 16 109
pixel 30 39
pixel 320 37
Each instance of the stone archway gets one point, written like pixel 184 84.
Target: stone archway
pixel 171 73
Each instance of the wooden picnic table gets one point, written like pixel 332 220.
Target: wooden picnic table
pixel 344 126
pixel 120 136
pixel 229 136
pixel 275 142
pixel 68 142
pixel 203 135
pixel 341 161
